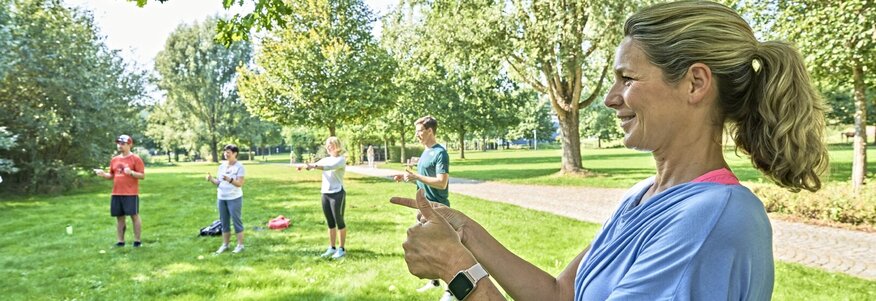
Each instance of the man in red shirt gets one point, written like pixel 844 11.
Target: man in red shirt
pixel 126 171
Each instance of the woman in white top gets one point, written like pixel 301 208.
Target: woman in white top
pixel 333 194
pixel 229 197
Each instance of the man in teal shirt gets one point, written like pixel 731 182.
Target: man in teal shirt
pixel 433 169
pixel 433 173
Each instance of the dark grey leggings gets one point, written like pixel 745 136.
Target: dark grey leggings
pixel 333 207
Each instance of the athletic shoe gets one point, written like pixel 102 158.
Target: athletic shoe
pixel 447 296
pixel 137 244
pixel 340 253
pixel 429 285
pixel 222 248
pixel 237 249
pixel 328 252
pixel 120 244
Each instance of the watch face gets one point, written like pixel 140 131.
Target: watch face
pixel 460 286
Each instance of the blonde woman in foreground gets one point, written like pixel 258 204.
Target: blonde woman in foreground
pixel 683 71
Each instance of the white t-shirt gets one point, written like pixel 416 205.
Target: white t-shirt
pixel 225 190
pixel 333 173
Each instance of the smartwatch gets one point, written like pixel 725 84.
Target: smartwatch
pixel 466 281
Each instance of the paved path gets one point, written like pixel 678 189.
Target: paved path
pixel 831 249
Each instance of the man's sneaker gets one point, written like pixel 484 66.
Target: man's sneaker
pixel 329 252
pixel 120 244
pixel 222 249
pixel 137 244
pixel 447 296
pixel 340 253
pixel 237 249
pixel 429 285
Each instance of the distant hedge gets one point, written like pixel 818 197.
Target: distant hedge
pixel 833 203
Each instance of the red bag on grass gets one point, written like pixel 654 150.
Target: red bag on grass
pixel 279 223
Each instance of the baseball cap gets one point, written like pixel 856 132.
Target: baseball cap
pixel 125 139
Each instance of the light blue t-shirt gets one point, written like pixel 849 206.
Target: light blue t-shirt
pixel 694 241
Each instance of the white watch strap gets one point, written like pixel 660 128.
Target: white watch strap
pixel 476 272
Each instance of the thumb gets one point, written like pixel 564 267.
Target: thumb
pixel 426 209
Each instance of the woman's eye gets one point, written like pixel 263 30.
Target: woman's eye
pixel 626 80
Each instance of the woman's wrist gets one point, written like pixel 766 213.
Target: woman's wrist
pixel 462 259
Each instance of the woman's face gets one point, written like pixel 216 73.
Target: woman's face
pixel 230 154
pixel 651 111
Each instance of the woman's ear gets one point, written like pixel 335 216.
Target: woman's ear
pixel 700 77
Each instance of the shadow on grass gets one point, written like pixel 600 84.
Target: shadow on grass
pixel 505 161
pixel 504 174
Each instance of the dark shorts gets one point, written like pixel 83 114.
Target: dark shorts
pixel 121 205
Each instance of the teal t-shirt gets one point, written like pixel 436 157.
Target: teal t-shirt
pixel 434 161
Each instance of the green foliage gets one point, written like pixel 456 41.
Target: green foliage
pixel 466 90
pixel 410 151
pixel 601 123
pixel 323 70
pixel 64 94
pixel 534 115
pixel 266 15
pixel 833 204
pixel 842 107
pixel 7 141
pixel 561 49
pixel 199 77
pixel 302 140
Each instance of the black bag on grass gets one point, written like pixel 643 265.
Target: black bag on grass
pixel 213 229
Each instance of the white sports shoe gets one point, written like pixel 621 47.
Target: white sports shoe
pixel 447 296
pixel 328 252
pixel 340 253
pixel 222 248
pixel 429 285
pixel 237 249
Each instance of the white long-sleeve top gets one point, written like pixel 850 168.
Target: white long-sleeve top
pixel 332 173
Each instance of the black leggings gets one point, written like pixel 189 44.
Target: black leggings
pixel 333 207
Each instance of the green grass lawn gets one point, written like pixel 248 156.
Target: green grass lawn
pixel 41 262
pixel 612 168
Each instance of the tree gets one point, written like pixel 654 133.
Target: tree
pixel 302 140
pixel 535 115
pixel 560 48
pixel 323 70
pixel 411 81
pixel 467 91
pixel 838 41
pixel 198 76
pixel 601 123
pixel 64 94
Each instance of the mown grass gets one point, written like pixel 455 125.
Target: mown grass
pixel 610 168
pixel 41 262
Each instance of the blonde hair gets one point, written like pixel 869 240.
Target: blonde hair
pixel 336 143
pixel 764 91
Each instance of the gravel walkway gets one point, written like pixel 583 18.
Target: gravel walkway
pixel 831 249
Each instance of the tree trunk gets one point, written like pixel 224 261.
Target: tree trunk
pixel 213 148
pixel 859 160
pixel 571 141
pixel 386 150
pixel 251 153
pixel 332 129
pixel 462 144
pixel 401 158
pixel 598 142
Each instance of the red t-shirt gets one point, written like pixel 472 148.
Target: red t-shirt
pixel 126 184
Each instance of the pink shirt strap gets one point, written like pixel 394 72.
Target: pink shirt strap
pixel 720 176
